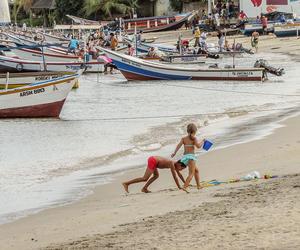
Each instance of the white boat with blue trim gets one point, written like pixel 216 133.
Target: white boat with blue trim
pixel 141 70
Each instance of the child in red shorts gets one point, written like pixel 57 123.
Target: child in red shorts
pixel 155 162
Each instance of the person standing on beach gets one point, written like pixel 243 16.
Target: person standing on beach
pixel 113 41
pixel 254 40
pixel 197 35
pixel 264 22
pixel 155 162
pixel 189 143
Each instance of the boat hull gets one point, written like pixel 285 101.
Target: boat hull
pixel 35 111
pixel 286 32
pixel 16 80
pixel 8 64
pixel 136 69
pixel 39 100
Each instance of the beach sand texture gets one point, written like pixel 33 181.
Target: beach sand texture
pixel 260 215
pixel 263 214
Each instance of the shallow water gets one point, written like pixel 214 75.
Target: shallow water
pixel 110 125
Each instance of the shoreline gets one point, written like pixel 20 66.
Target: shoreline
pixel 108 207
pixel 251 131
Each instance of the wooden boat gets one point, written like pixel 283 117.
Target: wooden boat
pixel 16 80
pixel 40 99
pixel 9 64
pixel 251 27
pixel 287 30
pixel 155 24
pixel 137 69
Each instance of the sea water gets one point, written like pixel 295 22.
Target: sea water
pixel 110 125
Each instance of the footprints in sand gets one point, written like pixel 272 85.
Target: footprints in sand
pixel 249 217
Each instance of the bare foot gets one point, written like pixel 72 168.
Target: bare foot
pixel 199 187
pixel 185 190
pixel 145 190
pixel 125 187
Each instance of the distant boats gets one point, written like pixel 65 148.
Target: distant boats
pixel 137 69
pixel 37 100
pixel 155 24
pixel 9 64
pixel 145 24
pixel 287 30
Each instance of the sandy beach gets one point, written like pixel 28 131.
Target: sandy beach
pixel 259 214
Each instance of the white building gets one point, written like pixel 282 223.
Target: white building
pixel 254 8
pixel 4 12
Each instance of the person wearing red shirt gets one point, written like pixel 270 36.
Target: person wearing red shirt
pixel 242 15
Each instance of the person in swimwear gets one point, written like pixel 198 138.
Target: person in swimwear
pixel 154 163
pixel 189 143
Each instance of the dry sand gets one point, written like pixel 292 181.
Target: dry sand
pixel 264 215
pixel 245 215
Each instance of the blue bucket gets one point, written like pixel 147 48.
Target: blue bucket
pixel 207 145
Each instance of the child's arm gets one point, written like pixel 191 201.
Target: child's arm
pixel 199 144
pixel 173 171
pixel 180 175
pixel 177 148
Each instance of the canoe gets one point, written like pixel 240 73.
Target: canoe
pixel 8 64
pixel 38 100
pixel 141 70
pixel 16 80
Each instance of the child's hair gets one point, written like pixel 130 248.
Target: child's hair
pixel 191 129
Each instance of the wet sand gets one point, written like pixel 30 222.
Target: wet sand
pixel 103 213
pixel 244 215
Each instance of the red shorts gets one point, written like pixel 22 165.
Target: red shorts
pixel 152 163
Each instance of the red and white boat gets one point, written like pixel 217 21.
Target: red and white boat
pixel 16 80
pixel 9 64
pixel 157 23
pixel 38 100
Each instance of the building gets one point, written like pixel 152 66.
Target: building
pixel 154 8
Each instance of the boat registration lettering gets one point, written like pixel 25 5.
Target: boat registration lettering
pixel 40 78
pixel 242 73
pixel 32 92
pixel 131 63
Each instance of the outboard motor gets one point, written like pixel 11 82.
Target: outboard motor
pixel 261 63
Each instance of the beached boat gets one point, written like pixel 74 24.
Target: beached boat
pixel 137 69
pixel 157 23
pixel 41 99
pixel 9 64
pixel 16 80
pixel 252 27
pixel 287 30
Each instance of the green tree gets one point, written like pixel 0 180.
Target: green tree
pixel 64 7
pixel 108 7
pixel 21 4
pixel 176 5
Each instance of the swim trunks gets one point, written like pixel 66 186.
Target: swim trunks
pixel 152 163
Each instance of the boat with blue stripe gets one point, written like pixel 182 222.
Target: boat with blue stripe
pixel 137 69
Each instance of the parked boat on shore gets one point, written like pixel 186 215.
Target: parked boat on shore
pixel 137 69
pixel 8 64
pixel 287 30
pixel 16 80
pixel 37 100
pixel 156 23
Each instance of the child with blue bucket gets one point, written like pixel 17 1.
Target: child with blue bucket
pixel 190 142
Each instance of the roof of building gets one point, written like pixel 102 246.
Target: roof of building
pixel 44 4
